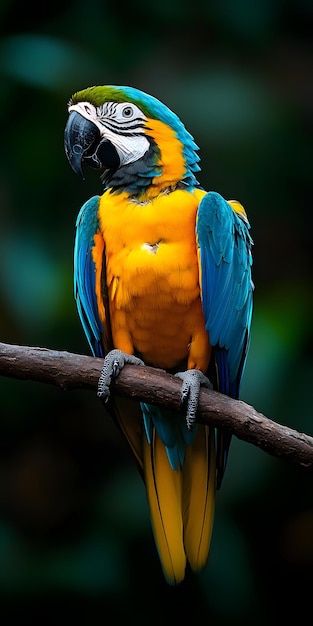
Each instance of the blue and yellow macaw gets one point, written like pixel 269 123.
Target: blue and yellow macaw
pixel 162 277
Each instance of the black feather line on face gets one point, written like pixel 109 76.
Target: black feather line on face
pixel 137 176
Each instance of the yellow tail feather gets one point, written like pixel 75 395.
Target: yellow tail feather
pixel 164 487
pixel 181 502
pixel 199 496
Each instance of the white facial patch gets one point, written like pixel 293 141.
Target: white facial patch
pixel 121 123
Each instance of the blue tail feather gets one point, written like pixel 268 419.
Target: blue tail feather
pixel 172 429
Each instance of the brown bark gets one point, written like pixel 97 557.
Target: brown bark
pixel 73 371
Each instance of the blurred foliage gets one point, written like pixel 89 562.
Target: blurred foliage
pixel 75 539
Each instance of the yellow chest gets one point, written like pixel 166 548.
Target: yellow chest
pixel 152 274
pixel 150 247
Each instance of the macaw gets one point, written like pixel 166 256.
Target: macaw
pixel 162 276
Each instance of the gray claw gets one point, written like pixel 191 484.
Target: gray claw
pixel 112 366
pixel 190 390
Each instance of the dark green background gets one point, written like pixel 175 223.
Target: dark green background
pixel 75 539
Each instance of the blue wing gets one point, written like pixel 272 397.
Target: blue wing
pixel 87 226
pixel 226 289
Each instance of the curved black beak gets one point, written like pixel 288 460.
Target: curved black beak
pixel 83 143
pixel 79 136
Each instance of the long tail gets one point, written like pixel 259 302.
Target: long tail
pixel 199 480
pixel 181 502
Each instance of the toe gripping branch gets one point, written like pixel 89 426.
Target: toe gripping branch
pixel 112 366
pixel 193 380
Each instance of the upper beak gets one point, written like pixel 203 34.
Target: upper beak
pixel 83 142
pixel 79 136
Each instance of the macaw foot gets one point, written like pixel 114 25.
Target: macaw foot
pixel 113 364
pixel 193 380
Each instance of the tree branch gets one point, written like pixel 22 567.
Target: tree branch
pixel 73 371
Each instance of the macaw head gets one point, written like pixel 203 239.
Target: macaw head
pixel 132 138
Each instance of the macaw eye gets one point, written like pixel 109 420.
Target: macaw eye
pixel 127 111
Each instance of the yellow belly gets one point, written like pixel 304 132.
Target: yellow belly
pixel 153 278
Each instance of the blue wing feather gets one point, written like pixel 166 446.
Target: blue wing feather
pixel 85 276
pixel 226 287
pixel 226 291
